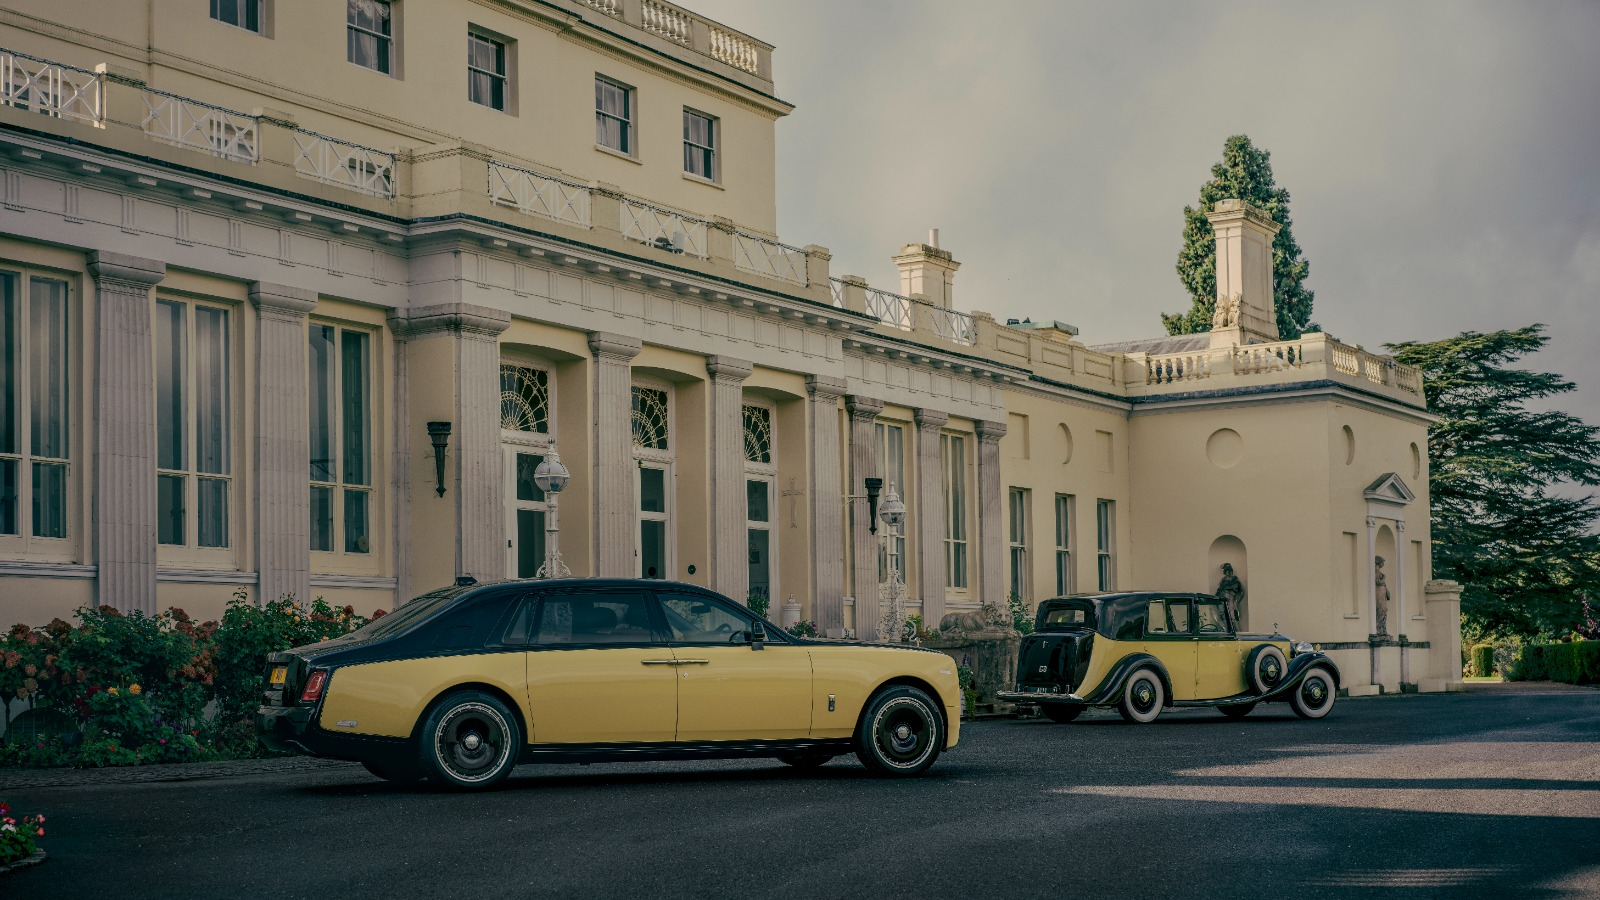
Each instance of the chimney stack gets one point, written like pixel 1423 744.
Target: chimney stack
pixel 927 270
pixel 1245 312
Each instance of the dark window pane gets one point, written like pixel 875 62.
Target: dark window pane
pixel 596 618
pixel 653 549
pixel 760 562
pixel 10 351
pixel 527 488
pixel 320 359
pixel 47 327
pixel 353 383
pixel 169 509
pixel 530 542
pixel 8 497
pixel 652 490
pixel 322 518
pixel 170 383
pixel 356 536
pixel 211 390
pixel 213 512
pixel 471 625
pixel 757 494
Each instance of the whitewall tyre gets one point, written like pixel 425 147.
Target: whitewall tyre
pixel 469 741
pixel 1265 668
pixel 901 732
pixel 1314 696
pixel 1142 697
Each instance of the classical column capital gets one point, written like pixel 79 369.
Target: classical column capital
pixel 281 301
pixel 863 409
pixel 931 419
pixel 614 346
pixel 135 272
pixel 1400 525
pixel 990 432
pixel 450 318
pixel 729 367
pixel 825 387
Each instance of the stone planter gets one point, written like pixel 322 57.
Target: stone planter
pixel 23 863
pixel 991 654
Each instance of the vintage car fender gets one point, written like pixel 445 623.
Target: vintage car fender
pixel 1299 665
pixel 1109 690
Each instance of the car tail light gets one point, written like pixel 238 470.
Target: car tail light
pixel 314 686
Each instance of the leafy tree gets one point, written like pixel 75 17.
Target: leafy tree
pixel 1524 553
pixel 1245 173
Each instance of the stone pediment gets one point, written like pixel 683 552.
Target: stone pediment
pixel 1391 489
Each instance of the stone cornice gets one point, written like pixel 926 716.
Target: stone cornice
pixel 990 432
pixel 118 270
pixel 281 301
pixel 930 419
pixel 863 409
pixel 1229 210
pixel 453 318
pixel 826 387
pixel 729 367
pixel 606 345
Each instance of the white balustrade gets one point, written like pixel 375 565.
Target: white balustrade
pixel 1170 368
pixel 667 21
pixel 1408 379
pixel 763 257
pixel 53 89
pixel 1255 359
pixel 342 163
pixel 200 126
pixel 734 50
pixel 954 326
pixel 1358 362
pixel 609 7
pixel 891 309
pixel 663 228
pixel 539 195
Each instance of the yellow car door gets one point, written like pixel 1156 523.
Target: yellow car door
pixel 727 689
pixel 1169 636
pixel 1220 672
pixel 599 670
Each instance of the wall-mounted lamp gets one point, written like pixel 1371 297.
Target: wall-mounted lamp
pixel 439 433
pixel 873 485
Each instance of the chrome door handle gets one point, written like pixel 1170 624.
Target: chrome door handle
pixel 658 662
pixel 693 662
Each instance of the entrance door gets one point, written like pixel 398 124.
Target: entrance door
pixel 525 512
pixel 654 548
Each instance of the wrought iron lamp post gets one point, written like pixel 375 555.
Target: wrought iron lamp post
pixel 552 477
pixel 892 592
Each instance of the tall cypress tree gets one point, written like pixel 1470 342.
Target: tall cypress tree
pixel 1523 552
pixel 1245 173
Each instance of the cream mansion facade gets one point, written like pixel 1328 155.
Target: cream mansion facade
pixel 258 256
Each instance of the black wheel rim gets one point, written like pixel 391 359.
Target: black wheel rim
pixel 1143 695
pixel 1271 670
pixel 903 732
pixel 471 742
pixel 1314 692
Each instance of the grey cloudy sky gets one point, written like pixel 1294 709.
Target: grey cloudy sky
pixel 1443 157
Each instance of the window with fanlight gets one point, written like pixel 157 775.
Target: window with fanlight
pixel 652 449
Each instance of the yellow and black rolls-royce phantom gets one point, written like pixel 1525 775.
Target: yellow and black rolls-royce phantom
pixel 1143 652
pixel 462 684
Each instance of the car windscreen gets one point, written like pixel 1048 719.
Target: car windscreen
pixel 408 615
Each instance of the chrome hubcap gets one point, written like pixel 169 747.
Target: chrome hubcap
pixel 904 733
pixel 472 742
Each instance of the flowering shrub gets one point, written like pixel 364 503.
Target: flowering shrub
pixel 18 837
pixel 803 628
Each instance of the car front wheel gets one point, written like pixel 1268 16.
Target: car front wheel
pixel 901 732
pixel 470 741
pixel 1313 699
pixel 1142 697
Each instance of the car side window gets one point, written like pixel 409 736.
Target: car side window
pixel 1178 616
pixel 472 626
pixel 1167 617
pixel 519 628
pixel 698 619
pixel 1155 618
pixel 620 617
pixel 1210 616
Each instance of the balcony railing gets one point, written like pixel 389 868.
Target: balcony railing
pixel 734 50
pixel 200 126
pixel 954 326
pixel 769 258
pixel 662 228
pixel 609 7
pixel 668 21
pixel 51 88
pixel 353 166
pixel 1281 356
pixel 893 310
pixel 539 195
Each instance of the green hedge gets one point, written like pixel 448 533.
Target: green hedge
pixel 1577 662
pixel 1483 660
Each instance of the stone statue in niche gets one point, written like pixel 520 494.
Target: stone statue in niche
pixel 1231 591
pixel 1380 584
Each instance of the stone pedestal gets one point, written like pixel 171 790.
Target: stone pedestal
pixel 990 653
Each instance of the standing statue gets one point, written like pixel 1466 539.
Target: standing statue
pixel 1381 594
pixel 1231 591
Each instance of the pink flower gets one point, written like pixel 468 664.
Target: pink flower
pixel 41 832
pixel 41 820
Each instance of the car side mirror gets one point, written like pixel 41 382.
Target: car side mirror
pixel 757 635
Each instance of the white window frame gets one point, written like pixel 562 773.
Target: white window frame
pixel 652 458
pixel 1066 575
pixel 338 560
pixel 892 471
pixel 514 441
pixel 190 552
pixel 957 512
pixel 387 41
pixel 1019 506
pixel 24 544
pixel 713 136
pixel 766 473
pixel 1105 512
pixel 502 48
pixel 630 138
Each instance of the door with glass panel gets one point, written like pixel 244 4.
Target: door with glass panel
pixel 758 528
pixel 654 548
pixel 525 512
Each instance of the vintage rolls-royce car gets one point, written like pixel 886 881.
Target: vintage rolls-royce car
pixel 460 685
pixel 1143 652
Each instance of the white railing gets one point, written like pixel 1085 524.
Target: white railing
pixel 891 309
pixel 734 50
pixel 1408 379
pixel 836 287
pixel 763 257
pixel 53 89
pixel 342 163
pixel 609 7
pixel 539 195
pixel 663 228
pixel 1355 361
pixel 200 126
pixel 954 326
pixel 1254 359
pixel 667 21
pixel 1174 367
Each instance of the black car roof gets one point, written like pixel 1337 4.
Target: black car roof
pixel 590 583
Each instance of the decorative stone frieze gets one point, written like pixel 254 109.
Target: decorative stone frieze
pixel 124 479
pixel 615 509
pixel 864 552
pixel 282 446
pixel 827 506
pixel 730 571
pixel 929 513
pixel 992 518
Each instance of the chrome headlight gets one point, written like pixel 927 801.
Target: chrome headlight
pixel 1302 647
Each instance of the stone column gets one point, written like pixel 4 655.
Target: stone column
pixel 827 504
pixel 282 443
pixel 474 333
pixel 1443 614
pixel 930 516
pixel 124 479
pixel 992 517
pixel 730 568
pixel 615 508
pixel 863 544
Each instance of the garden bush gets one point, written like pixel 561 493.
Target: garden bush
pixel 18 837
pixel 1576 662
pixel 1483 660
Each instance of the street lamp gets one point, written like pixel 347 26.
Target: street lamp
pixel 551 477
pixel 892 592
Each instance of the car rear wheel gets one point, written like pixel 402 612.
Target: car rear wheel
pixel 806 760
pixel 407 772
pixel 469 741
pixel 1314 698
pixel 1142 697
pixel 1061 713
pixel 1237 710
pixel 1265 667
pixel 901 732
